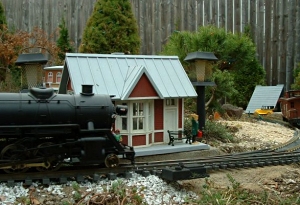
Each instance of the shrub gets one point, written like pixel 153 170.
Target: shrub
pixel 111 28
pixel 215 130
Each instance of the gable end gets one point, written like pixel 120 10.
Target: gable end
pixel 144 88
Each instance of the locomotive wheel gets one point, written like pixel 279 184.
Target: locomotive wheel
pixel 9 153
pixel 52 164
pixel 112 160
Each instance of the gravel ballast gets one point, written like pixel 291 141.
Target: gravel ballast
pixel 153 189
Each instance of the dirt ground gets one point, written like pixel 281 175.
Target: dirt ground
pixel 253 135
pixel 279 180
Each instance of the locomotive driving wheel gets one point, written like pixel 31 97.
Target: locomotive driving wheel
pixel 112 160
pixel 52 163
pixel 12 153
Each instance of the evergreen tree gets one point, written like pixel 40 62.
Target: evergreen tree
pixel 296 74
pixel 2 17
pixel 237 71
pixel 63 42
pixel 111 28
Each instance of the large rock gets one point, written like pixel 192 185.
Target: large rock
pixel 233 111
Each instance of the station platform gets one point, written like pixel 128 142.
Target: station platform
pixel 168 149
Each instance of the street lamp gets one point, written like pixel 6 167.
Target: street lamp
pixel 202 62
pixel 32 72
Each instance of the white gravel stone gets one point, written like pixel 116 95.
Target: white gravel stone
pixel 155 190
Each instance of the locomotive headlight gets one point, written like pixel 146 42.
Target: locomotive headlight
pixel 121 110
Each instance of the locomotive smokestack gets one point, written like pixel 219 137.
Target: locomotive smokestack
pixel 87 90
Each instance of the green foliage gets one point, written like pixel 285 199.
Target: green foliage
pixel 225 88
pixel 247 31
pixel 12 81
pixel 76 194
pixel 65 203
pixel 190 104
pixel 187 123
pixel 216 130
pixel 63 42
pixel 119 187
pixel 120 190
pixel 236 54
pixel 2 17
pixel 296 73
pixel 111 28
pixel 75 186
pixel 247 71
pixel 23 200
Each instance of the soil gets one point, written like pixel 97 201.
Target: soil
pixel 252 135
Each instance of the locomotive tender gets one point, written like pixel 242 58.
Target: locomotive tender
pixel 43 130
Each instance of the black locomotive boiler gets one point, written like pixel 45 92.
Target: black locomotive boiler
pixel 44 130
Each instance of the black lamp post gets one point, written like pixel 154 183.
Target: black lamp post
pixel 32 69
pixel 203 66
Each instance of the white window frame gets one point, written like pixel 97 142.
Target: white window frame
pixel 138 116
pixel 171 102
pixel 50 76
pixel 148 117
pixel 58 76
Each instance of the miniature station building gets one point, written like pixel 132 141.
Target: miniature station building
pixel 265 96
pixel 153 87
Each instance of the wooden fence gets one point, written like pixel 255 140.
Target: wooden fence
pixel 275 24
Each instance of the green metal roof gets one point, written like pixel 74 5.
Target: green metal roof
pixel 118 74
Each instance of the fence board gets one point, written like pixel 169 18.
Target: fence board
pixel 290 40
pixel 275 24
pixel 200 13
pixel 222 13
pixel 280 45
pixel 260 29
pixel 274 44
pixel 237 16
pixel 268 27
pixel 284 43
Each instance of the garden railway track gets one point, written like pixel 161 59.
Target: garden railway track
pixel 181 169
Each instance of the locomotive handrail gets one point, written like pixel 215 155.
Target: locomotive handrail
pixel 94 130
pixel 39 126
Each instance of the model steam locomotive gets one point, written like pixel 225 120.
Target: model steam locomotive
pixel 43 130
